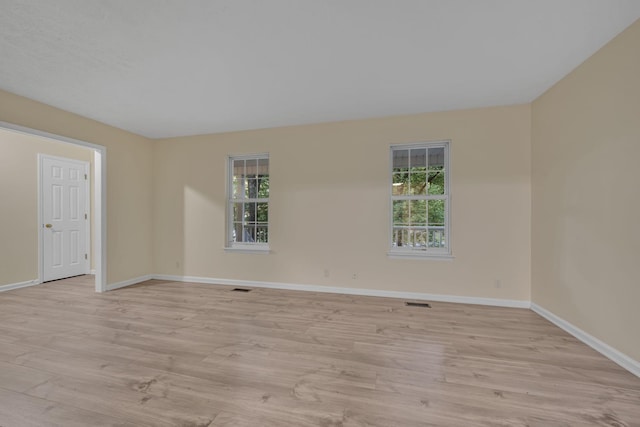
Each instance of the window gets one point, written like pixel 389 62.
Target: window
pixel 248 203
pixel 420 199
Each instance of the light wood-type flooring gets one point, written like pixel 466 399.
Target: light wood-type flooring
pixel 178 354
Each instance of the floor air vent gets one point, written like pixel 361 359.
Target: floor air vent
pixel 240 290
pixel 417 304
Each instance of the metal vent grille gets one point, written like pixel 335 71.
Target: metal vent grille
pixel 417 304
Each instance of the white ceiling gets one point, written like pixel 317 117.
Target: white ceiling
pixel 174 67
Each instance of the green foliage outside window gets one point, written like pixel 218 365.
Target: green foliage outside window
pixel 418 194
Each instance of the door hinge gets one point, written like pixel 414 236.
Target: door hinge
pixel 85 216
pixel 85 176
pixel 85 256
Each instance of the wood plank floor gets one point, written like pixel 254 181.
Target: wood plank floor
pixel 175 354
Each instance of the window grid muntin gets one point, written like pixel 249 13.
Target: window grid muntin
pixel 239 192
pixel 440 234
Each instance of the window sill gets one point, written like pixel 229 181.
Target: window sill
pixel 260 250
pixel 418 255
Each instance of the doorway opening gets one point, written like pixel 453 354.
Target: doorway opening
pixel 97 179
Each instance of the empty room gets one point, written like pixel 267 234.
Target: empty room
pixel 319 213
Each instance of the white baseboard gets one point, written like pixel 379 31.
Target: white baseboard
pixel 19 285
pixel 349 291
pixel 92 271
pixel 606 350
pixel 128 282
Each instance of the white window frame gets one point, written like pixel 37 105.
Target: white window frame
pixel 428 253
pixel 246 247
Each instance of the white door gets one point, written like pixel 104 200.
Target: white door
pixel 65 216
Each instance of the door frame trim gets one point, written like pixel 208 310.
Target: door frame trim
pixel 87 207
pixel 99 178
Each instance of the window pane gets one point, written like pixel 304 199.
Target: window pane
pixel 420 239
pixel 436 213
pixel 263 186
pixel 436 182
pixel 418 183
pixel 437 238
pixel 400 212
pixel 252 168
pixel 237 212
pixel 237 232
pixel 418 213
pixel 252 188
pixel 263 167
pixel 249 233
pixel 249 212
pixel 400 237
pixel 400 184
pixel 400 160
pixel 418 159
pixel 238 187
pixel 262 212
pixel 436 158
pixel 262 234
pixel 238 168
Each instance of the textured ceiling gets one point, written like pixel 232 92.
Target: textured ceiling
pixel 169 68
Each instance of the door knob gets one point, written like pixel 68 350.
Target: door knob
pixel 48 225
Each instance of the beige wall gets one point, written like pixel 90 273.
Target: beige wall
pixel 19 207
pixel 129 182
pixel 330 204
pixel 586 200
